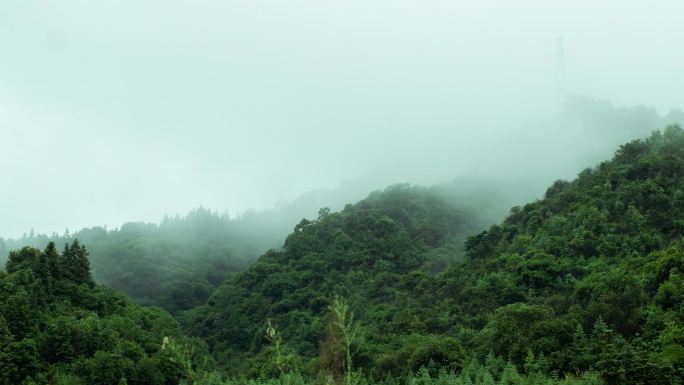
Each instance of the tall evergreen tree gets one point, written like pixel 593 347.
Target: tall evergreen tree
pixel 52 257
pixel 75 264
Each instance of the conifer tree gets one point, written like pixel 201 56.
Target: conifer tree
pixel 75 264
pixel 52 257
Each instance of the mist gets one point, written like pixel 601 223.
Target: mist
pixel 119 111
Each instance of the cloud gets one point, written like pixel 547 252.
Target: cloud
pixel 125 110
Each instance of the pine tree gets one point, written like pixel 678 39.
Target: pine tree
pixel 41 271
pixel 52 257
pixel 510 375
pixel 582 358
pixel 75 264
pixel 608 360
pixel 530 365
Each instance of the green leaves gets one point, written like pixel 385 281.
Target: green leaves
pixel 55 325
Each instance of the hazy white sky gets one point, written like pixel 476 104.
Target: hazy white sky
pixel 125 110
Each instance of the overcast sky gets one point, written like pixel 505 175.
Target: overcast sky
pixel 123 110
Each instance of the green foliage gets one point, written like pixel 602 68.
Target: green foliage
pixel 583 286
pixel 74 264
pixel 601 253
pixel 587 279
pixel 57 327
pixel 175 265
pixel 474 373
pixel 372 253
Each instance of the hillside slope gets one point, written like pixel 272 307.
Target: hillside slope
pixel 590 275
pixel 587 278
pixel 365 253
pixel 175 265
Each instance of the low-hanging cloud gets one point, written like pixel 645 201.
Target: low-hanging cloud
pixel 116 111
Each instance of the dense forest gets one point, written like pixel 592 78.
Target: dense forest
pixel 582 286
pixel 177 263
pixel 586 279
pixel 386 192
pixel 58 327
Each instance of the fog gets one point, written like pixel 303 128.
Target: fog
pixel 113 111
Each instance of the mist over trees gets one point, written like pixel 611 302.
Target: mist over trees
pixel 585 279
pixel 177 263
pixel 301 192
pixel 581 286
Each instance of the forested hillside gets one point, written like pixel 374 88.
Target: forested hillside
pixel 589 276
pixel 586 279
pixel 178 263
pixel 364 252
pixel 58 327
pixel 175 264
pixel 582 286
pixel 385 192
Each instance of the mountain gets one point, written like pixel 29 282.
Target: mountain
pixel 588 278
pixel 368 252
pixel 175 264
